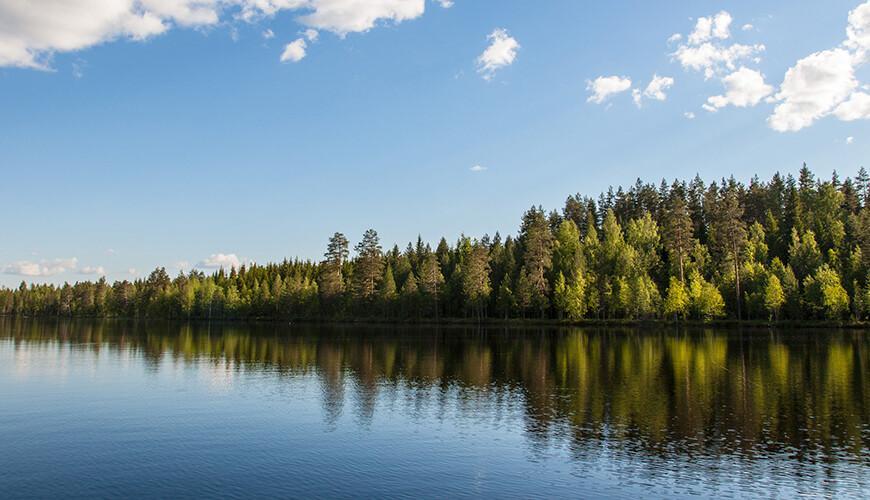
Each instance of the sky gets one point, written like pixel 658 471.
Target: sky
pixel 206 133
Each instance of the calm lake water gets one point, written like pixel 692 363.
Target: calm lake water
pixel 168 410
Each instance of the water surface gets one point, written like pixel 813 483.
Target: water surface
pixel 172 410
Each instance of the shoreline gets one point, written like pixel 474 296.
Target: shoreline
pixel 493 322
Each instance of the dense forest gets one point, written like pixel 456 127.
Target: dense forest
pixel 785 249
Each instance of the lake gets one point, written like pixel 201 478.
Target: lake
pixel 135 409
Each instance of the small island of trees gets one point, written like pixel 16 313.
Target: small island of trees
pixel 785 249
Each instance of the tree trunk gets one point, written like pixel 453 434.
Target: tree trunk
pixel 682 277
pixel 737 279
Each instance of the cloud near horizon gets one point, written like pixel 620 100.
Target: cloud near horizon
pixel 42 268
pixel 220 260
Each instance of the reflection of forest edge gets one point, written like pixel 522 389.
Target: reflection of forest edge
pixel 760 391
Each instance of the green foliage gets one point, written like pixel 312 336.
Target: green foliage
pixel 774 296
pixel 824 294
pixel 705 300
pixel 537 244
pixel 786 249
pixel 804 254
pixel 677 299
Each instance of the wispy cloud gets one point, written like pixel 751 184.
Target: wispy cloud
pixel 42 268
pixel 220 260
pixel 97 270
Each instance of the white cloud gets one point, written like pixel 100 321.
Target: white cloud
pixel 676 37
pixel 184 12
pixel 706 51
pixel 857 107
pixel 42 268
pixel 824 82
pixel 722 25
pixel 747 27
pixel 294 51
pixel 605 86
pixel 353 16
pixel 182 265
pixel 97 270
pixel 636 96
pixel 220 260
pixel 311 35
pixel 478 168
pixel 703 30
pixel 655 89
pixel 812 89
pixel 268 34
pixel 743 88
pixel 657 86
pixel 689 115
pixel 445 3
pixel 858 30
pixel 850 140
pixel 713 58
pixel 253 10
pixel 132 271
pixel 706 28
pixel 32 32
pixel 501 52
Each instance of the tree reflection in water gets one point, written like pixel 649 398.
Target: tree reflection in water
pixel 701 393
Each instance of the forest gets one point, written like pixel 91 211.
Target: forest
pixel 786 249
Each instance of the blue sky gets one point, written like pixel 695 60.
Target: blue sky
pixel 135 133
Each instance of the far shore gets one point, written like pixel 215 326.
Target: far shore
pixel 494 322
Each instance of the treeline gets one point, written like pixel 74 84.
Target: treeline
pixel 782 249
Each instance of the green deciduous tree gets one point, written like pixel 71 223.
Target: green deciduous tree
pixel 774 296
pixel 677 299
pixel 825 295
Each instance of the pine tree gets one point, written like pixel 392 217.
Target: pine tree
pixel 410 294
pixel 368 269
pixel 475 279
pixel 431 279
pixel 862 184
pixel 730 233
pixel 537 242
pixel 331 277
pixel 387 289
pixel 678 233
